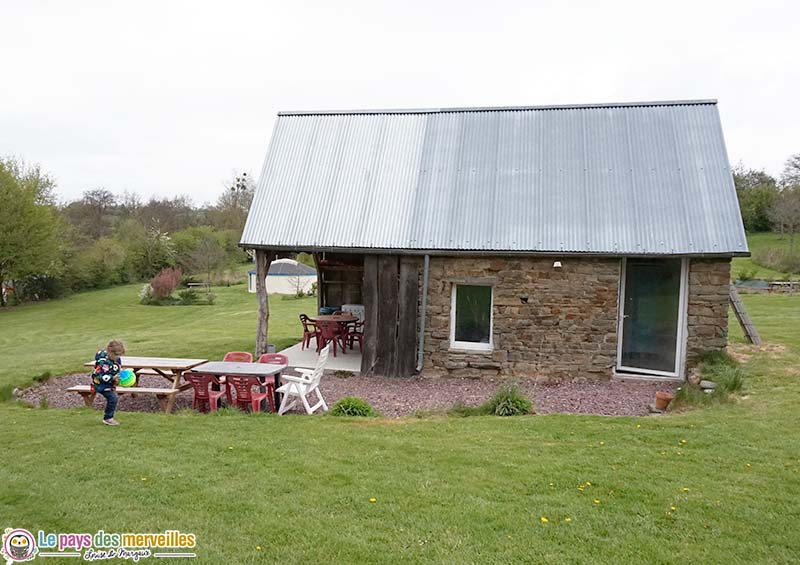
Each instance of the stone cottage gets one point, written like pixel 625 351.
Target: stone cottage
pixel 556 241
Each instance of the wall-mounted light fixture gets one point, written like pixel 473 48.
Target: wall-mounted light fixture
pixel 556 264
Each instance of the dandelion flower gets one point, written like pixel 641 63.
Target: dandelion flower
pixel 684 442
pixel 596 501
pixel 602 443
pixel 373 499
pixel 588 484
pixel 258 548
pixel 568 519
pixel 552 484
pixel 144 478
pixel 747 465
pixel 638 426
pixel 685 489
pixel 230 447
pixel 543 519
pixel 673 508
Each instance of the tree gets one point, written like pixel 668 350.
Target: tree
pixel 234 204
pixel 93 214
pixel 785 213
pixel 208 256
pixel 790 178
pixel 27 222
pixel 167 214
pixel 757 192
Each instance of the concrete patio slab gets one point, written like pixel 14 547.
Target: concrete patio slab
pixel 307 359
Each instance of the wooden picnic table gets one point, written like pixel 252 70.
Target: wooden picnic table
pixel 232 368
pixel 170 368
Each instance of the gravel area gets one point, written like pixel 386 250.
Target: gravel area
pixel 395 397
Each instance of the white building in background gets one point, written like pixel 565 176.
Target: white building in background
pixel 286 276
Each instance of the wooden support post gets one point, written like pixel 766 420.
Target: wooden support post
pixel 388 283
pixel 263 260
pixel 370 296
pixel 408 300
pixel 320 282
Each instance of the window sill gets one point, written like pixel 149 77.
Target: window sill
pixel 463 348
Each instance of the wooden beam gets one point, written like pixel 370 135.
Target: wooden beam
pixel 370 296
pixel 407 307
pixel 319 281
pixel 387 315
pixel 263 259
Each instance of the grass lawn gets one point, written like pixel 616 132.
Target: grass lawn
pixel 447 489
pixel 59 336
pixel 757 242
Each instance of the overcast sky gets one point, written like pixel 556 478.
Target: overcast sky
pixel 169 98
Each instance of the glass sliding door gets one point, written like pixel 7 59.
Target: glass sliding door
pixel 651 316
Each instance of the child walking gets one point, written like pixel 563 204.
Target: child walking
pixel 105 377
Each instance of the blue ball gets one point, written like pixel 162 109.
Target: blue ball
pixel 127 377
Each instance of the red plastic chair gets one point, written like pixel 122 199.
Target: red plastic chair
pixel 355 332
pixel 274 359
pixel 246 396
pixel 309 330
pixel 238 357
pixel 203 397
pixel 331 332
pixel 234 357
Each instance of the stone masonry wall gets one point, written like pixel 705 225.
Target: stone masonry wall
pixel 709 283
pixel 550 323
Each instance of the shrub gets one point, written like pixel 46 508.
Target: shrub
pixel 509 401
pixel 164 283
pixel 6 393
pixel 462 410
pixel 43 378
pixel 188 297
pixel 146 294
pixel 778 259
pixel 718 367
pixel 353 406
pixel 40 287
pixel 746 274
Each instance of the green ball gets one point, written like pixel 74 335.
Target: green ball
pixel 127 377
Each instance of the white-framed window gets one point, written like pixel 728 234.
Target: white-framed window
pixel 471 317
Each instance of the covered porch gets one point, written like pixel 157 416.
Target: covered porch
pixel 384 287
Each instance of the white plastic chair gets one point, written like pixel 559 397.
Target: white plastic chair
pixel 298 388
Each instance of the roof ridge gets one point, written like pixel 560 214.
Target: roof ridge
pixel 503 108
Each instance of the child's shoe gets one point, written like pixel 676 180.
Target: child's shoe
pixel 111 422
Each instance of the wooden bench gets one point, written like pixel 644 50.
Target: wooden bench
pixel 165 396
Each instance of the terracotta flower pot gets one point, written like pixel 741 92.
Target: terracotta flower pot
pixel 663 399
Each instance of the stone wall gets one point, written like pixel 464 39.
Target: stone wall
pixel 548 322
pixel 709 284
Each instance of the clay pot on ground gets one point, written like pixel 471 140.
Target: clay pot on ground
pixel 663 399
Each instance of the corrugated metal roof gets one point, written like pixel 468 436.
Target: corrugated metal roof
pixel 640 178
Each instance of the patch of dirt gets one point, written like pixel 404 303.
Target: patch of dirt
pixel 395 397
pixel 743 352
